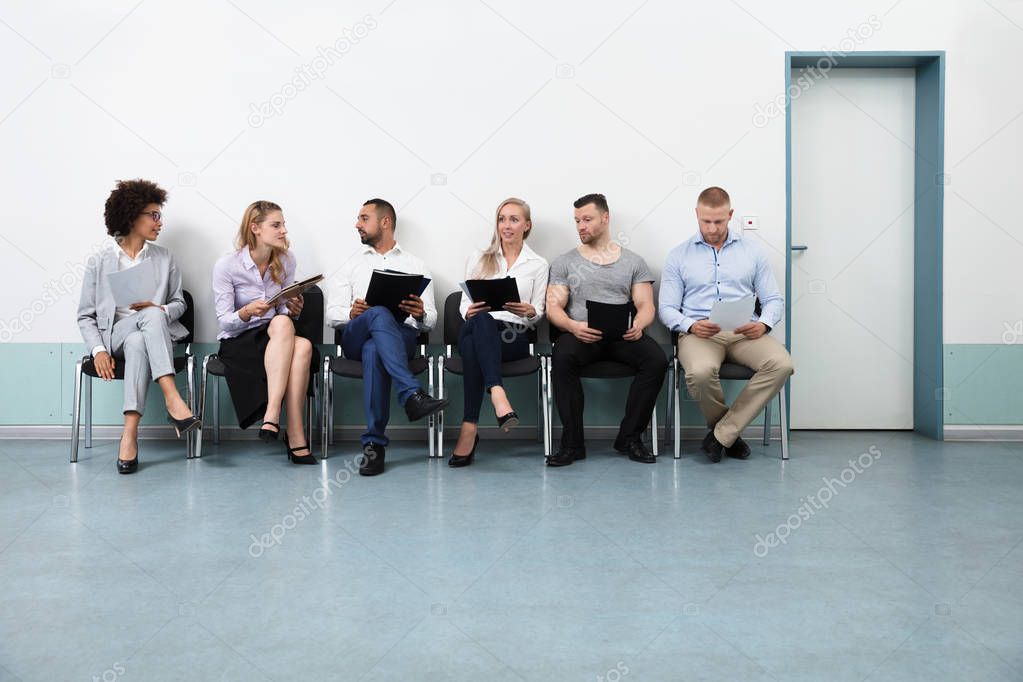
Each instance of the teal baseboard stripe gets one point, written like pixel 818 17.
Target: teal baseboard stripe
pixel 981 388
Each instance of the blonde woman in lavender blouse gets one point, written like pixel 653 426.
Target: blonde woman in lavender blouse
pixel 266 362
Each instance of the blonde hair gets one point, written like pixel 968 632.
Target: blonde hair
pixel 257 213
pixel 488 261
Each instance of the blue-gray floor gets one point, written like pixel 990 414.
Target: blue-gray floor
pixel 242 567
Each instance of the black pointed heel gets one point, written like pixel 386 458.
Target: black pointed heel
pixel 266 435
pixel 299 459
pixel 129 466
pixel 465 460
pixel 184 425
pixel 508 421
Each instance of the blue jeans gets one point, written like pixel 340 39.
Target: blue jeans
pixel 384 347
pixel 484 343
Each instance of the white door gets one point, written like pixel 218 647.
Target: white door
pixel 852 287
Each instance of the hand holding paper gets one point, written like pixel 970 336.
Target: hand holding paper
pixel 730 315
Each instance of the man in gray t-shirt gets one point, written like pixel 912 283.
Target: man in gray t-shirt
pixel 602 271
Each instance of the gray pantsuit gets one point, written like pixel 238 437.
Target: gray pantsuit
pixel 144 341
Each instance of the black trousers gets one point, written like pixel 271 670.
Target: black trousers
pixel 571 356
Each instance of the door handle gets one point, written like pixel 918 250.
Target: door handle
pixel 799 247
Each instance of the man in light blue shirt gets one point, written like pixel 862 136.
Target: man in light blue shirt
pixel 714 265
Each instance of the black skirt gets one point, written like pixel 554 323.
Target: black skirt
pixel 245 372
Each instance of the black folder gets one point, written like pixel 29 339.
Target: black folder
pixel 494 292
pixel 611 319
pixel 390 287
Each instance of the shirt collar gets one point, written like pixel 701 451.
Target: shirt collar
pixel 526 254
pixel 119 252
pixel 732 236
pixel 246 258
pixel 395 250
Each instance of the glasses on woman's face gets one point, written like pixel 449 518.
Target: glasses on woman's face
pixel 155 215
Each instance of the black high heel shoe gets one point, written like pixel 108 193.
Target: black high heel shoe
pixel 129 466
pixel 299 459
pixel 508 421
pixel 464 460
pixel 266 435
pixel 184 425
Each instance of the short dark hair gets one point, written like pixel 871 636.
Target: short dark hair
pixel 384 208
pixel 714 197
pixel 599 200
pixel 126 203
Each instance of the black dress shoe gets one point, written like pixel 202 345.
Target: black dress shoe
pixel 372 460
pixel 508 421
pixel 464 460
pixel 637 452
pixel 299 459
pixel 565 456
pixel 738 449
pixel 421 405
pixel 128 466
pixel 266 435
pixel 184 425
pixel 712 447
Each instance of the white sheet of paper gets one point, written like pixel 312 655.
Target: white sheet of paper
pixel 729 315
pixel 134 285
pixel 465 291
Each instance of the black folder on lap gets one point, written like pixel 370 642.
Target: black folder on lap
pixel 611 319
pixel 494 292
pixel 390 287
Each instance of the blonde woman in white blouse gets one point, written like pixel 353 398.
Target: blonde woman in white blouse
pixel 490 337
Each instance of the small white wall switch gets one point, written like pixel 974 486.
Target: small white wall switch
pixel 750 222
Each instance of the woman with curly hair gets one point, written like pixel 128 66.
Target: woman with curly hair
pixel 265 361
pixel 138 336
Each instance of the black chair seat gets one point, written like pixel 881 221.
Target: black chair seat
pixel 89 367
pixel 607 369
pixel 515 368
pixel 352 369
pixel 731 370
pixel 216 366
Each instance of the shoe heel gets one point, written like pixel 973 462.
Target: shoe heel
pixel 508 422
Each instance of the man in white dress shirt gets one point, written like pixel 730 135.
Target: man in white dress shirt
pixel 374 336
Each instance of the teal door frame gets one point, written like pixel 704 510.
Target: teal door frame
pixel 928 213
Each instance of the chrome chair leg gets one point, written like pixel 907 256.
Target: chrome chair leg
pixel 201 402
pixel 310 405
pixel 677 390
pixel 440 415
pixel 549 408
pixel 325 407
pixel 767 422
pixel 541 412
pixel 88 411
pixel 190 437
pixel 653 430
pixel 539 404
pixel 783 394
pixel 76 412
pixel 216 410
pixel 669 433
pixel 330 415
pixel 431 423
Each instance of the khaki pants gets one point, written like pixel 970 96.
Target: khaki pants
pixel 701 361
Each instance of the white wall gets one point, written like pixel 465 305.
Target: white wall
pixel 659 102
